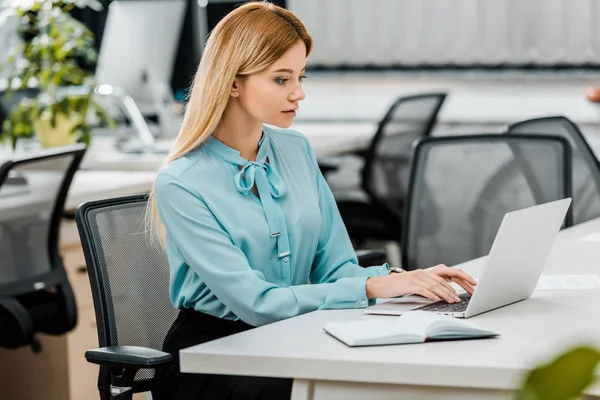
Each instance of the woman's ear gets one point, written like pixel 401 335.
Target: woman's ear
pixel 235 92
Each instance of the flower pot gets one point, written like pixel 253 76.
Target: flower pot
pixel 59 135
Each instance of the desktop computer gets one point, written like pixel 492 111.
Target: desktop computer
pixel 136 59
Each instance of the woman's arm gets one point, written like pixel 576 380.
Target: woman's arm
pixel 208 250
pixel 335 257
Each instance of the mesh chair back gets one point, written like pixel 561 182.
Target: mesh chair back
pixel 586 168
pixel 387 162
pixel 471 182
pixel 33 191
pixel 129 275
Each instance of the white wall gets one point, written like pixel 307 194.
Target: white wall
pixel 464 32
pixel 409 32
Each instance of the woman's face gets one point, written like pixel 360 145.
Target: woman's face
pixel 273 95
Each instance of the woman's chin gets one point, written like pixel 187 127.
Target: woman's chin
pixel 280 123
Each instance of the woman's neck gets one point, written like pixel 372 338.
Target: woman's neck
pixel 240 132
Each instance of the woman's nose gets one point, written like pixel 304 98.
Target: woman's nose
pixel 297 95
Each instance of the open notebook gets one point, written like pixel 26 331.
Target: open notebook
pixel 412 327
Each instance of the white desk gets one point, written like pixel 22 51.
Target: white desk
pixel 532 332
pixel 329 139
pixel 86 185
pixel 96 185
pixel 326 139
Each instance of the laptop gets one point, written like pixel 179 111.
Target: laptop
pixel 515 262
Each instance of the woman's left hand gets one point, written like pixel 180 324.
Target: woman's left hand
pixel 455 275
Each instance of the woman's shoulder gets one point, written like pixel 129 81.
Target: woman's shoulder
pixel 177 171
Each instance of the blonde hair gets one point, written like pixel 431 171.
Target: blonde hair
pixel 248 40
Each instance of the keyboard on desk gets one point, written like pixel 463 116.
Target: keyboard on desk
pixel 442 306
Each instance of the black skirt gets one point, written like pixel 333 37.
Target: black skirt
pixel 191 328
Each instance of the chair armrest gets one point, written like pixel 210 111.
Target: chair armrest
pixel 371 257
pixel 16 327
pixel 128 357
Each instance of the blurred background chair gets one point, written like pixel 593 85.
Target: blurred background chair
pixel 472 181
pixel 35 295
pixel 586 168
pixel 372 206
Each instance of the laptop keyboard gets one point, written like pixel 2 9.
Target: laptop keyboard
pixel 442 306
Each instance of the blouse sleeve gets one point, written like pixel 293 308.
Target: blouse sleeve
pixel 335 257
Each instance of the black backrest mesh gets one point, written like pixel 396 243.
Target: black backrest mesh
pixel 468 183
pixel 32 196
pixel 586 169
pixel 387 166
pixel 132 278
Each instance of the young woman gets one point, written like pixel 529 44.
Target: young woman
pixel 251 228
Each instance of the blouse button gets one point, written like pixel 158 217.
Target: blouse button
pixel 364 302
pixel 286 259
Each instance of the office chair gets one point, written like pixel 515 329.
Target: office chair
pixel 408 109
pixel 473 181
pixel 374 210
pixel 35 295
pixel 129 276
pixel 586 167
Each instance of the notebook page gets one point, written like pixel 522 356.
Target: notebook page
pixel 443 326
pixel 383 330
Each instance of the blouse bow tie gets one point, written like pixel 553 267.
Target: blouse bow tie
pixel 247 177
pixel 269 187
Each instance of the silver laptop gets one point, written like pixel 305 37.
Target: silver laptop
pixel 515 263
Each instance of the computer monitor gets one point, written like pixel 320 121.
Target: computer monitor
pixel 138 51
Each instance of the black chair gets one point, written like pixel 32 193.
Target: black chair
pixel 472 181
pixel 129 276
pixel 586 168
pixel 374 210
pixel 35 294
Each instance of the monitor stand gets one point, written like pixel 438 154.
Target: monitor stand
pixel 164 104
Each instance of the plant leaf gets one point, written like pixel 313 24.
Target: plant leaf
pixel 564 378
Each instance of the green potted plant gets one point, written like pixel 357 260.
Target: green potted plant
pixel 53 57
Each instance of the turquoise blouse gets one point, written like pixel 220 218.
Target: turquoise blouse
pixel 262 258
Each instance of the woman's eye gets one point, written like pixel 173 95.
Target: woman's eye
pixel 302 78
pixel 281 81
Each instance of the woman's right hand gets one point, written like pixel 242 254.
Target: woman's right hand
pixel 432 283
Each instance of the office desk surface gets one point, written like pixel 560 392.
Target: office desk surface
pixel 532 332
pixel 86 185
pixel 96 185
pixel 325 138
